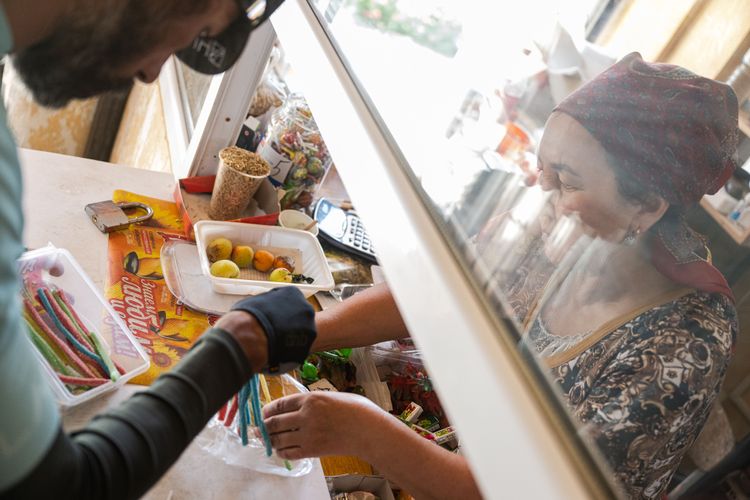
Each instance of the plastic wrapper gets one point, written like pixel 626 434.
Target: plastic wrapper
pixel 400 365
pixel 225 441
pixel 269 95
pixel 295 150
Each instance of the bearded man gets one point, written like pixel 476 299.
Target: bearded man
pixel 70 49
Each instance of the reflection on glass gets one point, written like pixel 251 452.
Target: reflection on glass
pixel 612 292
pixel 193 90
pixel 429 24
pixel 566 190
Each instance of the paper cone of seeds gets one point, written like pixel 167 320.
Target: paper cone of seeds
pixel 239 176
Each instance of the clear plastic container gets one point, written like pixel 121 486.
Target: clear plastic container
pixel 310 261
pixel 181 265
pixel 56 268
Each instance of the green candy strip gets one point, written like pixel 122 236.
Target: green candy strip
pixel 114 374
pixel 101 350
pixel 70 312
pixel 48 353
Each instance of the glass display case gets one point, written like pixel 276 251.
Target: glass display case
pixel 551 282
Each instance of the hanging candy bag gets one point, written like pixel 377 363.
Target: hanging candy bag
pixel 295 150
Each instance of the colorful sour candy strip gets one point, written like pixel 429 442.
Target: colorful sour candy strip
pixel 57 313
pixel 251 392
pixel 101 350
pixel 242 403
pixel 51 336
pixel 91 382
pixel 67 321
pixel 59 352
pixel 49 354
pixel 68 335
pixel 59 318
pixel 232 412
pixel 246 410
pixel 257 414
pixel 66 306
pixel 264 388
pixel 119 368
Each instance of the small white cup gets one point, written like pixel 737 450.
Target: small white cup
pixel 294 219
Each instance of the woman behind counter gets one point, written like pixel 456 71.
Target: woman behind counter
pixel 634 323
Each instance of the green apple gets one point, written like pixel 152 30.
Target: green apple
pixel 225 269
pixel 281 275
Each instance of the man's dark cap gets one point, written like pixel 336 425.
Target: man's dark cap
pixel 214 55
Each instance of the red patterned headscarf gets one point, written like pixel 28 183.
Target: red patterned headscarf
pixel 670 129
pixel 676 134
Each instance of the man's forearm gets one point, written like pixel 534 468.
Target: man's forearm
pixel 121 453
pixel 395 451
pixel 364 319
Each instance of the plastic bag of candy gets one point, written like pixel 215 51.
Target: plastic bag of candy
pixel 334 366
pixel 399 364
pixel 295 150
pixel 234 433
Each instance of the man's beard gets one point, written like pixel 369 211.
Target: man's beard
pixel 81 58
pixel 95 40
pixel 55 76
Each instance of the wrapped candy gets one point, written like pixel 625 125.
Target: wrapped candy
pixel 295 150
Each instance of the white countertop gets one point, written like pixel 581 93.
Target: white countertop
pixel 56 188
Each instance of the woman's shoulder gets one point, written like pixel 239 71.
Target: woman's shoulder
pixel 697 317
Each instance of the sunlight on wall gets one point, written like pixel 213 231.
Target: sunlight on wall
pixel 62 131
pixel 142 138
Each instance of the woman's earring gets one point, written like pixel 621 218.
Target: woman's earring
pixel 631 236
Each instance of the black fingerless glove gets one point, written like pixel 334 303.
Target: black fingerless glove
pixel 289 322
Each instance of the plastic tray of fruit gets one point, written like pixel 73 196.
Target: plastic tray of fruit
pixel 248 259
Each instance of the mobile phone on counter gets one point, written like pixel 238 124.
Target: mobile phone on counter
pixel 343 229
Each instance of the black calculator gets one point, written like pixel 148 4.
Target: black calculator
pixel 343 229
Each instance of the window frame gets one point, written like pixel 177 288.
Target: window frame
pixel 506 417
pixel 195 152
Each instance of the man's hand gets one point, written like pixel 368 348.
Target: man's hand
pixel 288 321
pixel 321 423
pixel 249 334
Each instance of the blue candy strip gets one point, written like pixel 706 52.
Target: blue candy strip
pixel 242 404
pixel 51 312
pixel 258 415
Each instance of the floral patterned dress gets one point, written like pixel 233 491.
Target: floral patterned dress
pixel 644 390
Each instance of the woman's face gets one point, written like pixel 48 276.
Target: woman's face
pixel 575 165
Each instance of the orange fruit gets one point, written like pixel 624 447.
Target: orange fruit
pixel 284 262
pixel 263 260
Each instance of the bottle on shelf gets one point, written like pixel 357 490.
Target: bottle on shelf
pixel 741 212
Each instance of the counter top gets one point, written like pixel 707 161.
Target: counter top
pixel 56 188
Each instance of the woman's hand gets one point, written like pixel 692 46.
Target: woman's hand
pixel 320 423
pixel 335 423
